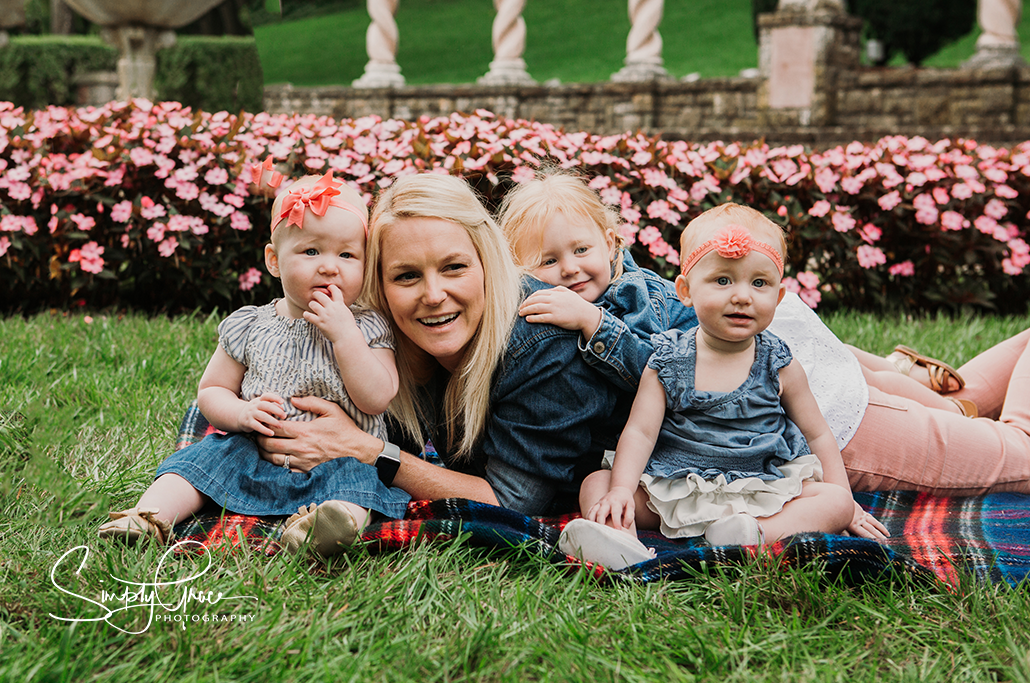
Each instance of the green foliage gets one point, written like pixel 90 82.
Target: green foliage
pixel 39 70
pixel 207 73
pixel 915 28
pixel 211 73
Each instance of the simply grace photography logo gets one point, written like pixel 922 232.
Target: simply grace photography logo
pixel 132 606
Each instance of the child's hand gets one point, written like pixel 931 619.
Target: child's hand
pixel 618 505
pixel 865 525
pixel 262 414
pixel 562 307
pixel 330 314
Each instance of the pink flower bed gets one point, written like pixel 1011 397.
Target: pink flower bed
pixel 147 205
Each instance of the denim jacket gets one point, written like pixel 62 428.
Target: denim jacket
pixel 551 418
pixel 637 305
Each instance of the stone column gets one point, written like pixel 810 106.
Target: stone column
pixel 802 49
pixel 998 44
pixel 137 47
pixel 60 18
pixel 382 70
pixel 644 44
pixel 509 41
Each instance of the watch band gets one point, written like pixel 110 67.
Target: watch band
pixel 388 462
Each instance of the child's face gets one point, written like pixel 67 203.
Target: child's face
pixel 734 299
pixel 576 254
pixel 328 250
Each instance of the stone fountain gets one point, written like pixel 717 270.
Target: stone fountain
pixel 139 28
pixel 12 13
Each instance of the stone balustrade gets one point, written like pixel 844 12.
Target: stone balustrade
pixel 810 86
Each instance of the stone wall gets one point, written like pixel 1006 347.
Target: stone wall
pixel 991 106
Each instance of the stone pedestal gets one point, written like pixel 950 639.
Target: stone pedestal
pixel 802 49
pixel 998 44
pixel 382 70
pixel 95 88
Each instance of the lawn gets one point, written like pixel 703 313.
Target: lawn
pixel 89 409
pixel 575 41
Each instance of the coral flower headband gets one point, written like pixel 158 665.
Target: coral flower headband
pixel 318 198
pixel 733 241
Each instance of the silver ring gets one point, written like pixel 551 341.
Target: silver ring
pixel 286 462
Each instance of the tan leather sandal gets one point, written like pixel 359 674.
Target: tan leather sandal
pixel 904 359
pixel 133 524
pixel 967 407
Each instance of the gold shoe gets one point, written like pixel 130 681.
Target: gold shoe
pixel 133 524
pixel 330 526
pixel 905 359
pixel 967 407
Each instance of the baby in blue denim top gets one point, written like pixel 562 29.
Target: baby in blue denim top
pixel 563 234
pixel 725 438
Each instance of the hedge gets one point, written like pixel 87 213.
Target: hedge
pixel 200 71
pixel 146 206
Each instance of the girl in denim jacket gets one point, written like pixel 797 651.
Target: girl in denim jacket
pixel 563 234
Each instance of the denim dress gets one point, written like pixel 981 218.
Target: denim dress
pixel 720 453
pixel 289 357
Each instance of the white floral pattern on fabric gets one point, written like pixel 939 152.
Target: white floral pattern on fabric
pixel 834 373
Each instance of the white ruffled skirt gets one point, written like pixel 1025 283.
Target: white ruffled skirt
pixel 688 505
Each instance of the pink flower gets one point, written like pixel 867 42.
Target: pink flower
pixel 88 319
pixel 83 222
pixel 820 208
pixel 888 201
pixel 870 233
pixel 150 210
pixel 791 285
pixel 940 195
pixel 5 244
pixel 961 191
pixel 870 257
pixel 781 211
pixel 121 212
pixel 187 192
pixel 953 220
pixel 249 278
pixel 808 280
pixel 167 246
pixel 216 176
pixel 903 269
pixel 156 232
pixel 842 222
pixel 812 297
pixel 88 257
pixel 996 209
pixel 522 174
pixel 985 224
pixel 732 241
pixel 240 221
pixel 1006 192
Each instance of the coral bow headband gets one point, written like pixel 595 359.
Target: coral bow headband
pixel 733 241
pixel 318 198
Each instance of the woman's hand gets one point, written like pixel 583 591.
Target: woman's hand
pixel 865 525
pixel 332 434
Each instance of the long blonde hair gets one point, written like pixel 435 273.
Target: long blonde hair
pixel 530 206
pixel 467 397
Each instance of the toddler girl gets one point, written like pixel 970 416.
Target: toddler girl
pixel 311 342
pixel 724 437
pixel 562 233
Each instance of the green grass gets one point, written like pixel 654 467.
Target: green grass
pixel 88 410
pixel 576 41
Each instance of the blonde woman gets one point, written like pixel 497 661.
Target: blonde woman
pixel 514 411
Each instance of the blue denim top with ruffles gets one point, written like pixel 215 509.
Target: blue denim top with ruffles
pixel 740 433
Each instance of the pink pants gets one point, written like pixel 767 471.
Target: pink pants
pixel 901 444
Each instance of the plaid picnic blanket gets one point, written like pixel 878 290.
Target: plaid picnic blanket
pixel 932 538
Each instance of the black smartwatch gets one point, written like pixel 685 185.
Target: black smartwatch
pixel 388 462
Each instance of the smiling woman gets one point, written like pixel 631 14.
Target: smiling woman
pixel 512 407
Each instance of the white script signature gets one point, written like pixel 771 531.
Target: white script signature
pixel 134 596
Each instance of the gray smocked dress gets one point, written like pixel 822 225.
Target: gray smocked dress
pixel 290 357
pixel 721 453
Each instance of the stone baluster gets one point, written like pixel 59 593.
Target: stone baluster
pixel 382 70
pixel 644 44
pixel 998 44
pixel 509 41
pixel 137 59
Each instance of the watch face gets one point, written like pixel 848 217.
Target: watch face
pixel 387 468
